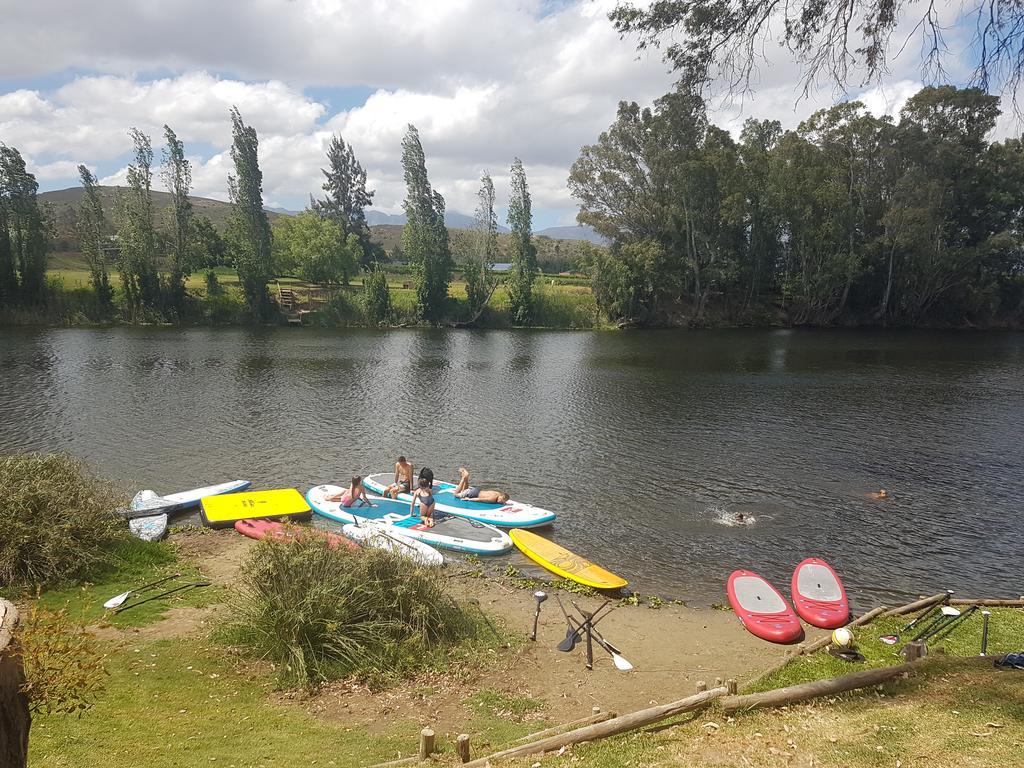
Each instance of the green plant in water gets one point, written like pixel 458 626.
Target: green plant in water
pixel 322 613
pixel 41 543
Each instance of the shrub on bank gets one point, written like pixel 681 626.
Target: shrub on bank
pixel 322 613
pixel 57 520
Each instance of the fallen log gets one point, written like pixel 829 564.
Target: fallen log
pixel 821 642
pixel 607 728
pixel 598 717
pixel 796 693
pixel 990 603
pixel 924 602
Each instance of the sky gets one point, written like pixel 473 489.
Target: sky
pixel 484 81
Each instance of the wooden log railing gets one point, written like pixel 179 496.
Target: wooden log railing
pixel 15 719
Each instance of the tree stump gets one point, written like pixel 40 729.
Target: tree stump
pixel 15 719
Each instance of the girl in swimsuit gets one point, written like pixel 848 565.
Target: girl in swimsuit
pixel 354 493
pixel 425 495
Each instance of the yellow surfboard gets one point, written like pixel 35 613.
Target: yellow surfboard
pixel 224 511
pixel 561 561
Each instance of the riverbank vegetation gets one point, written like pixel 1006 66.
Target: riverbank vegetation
pixel 57 522
pixel 320 612
pixel 850 219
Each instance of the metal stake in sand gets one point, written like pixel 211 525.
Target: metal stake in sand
pixel 540 596
pixel 984 632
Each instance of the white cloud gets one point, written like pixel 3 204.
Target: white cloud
pixel 483 80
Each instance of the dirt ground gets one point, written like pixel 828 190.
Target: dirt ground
pixel 671 648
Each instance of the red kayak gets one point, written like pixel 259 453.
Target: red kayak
pixel 818 595
pixel 260 529
pixel 762 609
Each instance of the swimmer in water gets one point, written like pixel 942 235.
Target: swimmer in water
pixel 880 495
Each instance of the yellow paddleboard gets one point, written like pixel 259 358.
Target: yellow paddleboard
pixel 566 564
pixel 224 511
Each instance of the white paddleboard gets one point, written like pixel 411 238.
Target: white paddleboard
pixel 150 502
pixel 371 535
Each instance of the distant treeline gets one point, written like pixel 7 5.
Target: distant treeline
pixel 849 219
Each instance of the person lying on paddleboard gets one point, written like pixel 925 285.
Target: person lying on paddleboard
pixel 355 492
pixel 425 495
pixel 472 493
pixel 403 478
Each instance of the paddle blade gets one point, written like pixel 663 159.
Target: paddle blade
pixel 117 600
pixel 571 638
pixel 620 663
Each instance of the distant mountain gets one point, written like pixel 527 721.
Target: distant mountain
pixel 282 211
pixel 65 204
pixel 573 232
pixel 452 219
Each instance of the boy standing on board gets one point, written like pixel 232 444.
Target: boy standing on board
pixel 403 479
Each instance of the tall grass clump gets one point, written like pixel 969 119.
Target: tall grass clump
pixel 321 613
pixel 57 521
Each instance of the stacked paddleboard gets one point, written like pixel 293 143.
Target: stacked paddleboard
pixel 511 514
pixel 448 532
pixel 148 513
pixel 817 592
pixel 279 504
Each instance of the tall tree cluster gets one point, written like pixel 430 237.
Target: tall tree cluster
pixel 522 252
pixel 425 237
pixel 92 239
pixel 137 237
pixel 23 233
pixel 850 218
pixel 483 248
pixel 177 175
pixel 248 233
pixel 346 199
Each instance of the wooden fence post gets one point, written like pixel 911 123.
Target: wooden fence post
pixel 15 719
pixel 426 743
pixel 462 747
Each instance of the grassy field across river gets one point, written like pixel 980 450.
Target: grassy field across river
pixel 560 301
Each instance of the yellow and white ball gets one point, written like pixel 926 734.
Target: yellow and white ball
pixel 842 638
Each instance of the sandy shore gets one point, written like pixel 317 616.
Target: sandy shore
pixel 671 648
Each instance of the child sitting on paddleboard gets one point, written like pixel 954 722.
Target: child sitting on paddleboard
pixel 352 494
pixel 472 493
pixel 425 495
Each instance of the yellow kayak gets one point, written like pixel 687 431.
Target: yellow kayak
pixel 561 561
pixel 224 511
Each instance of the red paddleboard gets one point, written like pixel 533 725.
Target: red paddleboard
pixel 818 595
pixel 762 609
pixel 261 529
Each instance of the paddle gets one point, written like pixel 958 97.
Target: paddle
pixel 947 629
pixel 572 636
pixel 118 600
pixel 618 659
pixel 474 601
pixel 893 639
pixel 163 594
pixel 984 632
pixel 946 614
pixel 540 596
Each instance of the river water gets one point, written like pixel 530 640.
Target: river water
pixel 642 442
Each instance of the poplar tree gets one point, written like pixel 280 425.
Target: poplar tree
pixel 177 175
pixel 248 228
pixel 23 249
pixel 522 250
pixel 425 237
pixel 91 234
pixel 346 196
pixel 477 270
pixel 8 274
pixel 136 233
